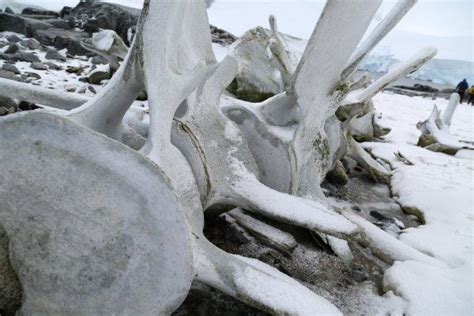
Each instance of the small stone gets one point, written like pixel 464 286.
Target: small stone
pixel 9 10
pixel 8 103
pixel 71 89
pixel 11 68
pixel 12 49
pixel 33 75
pixel 98 60
pixel 82 90
pixel 92 89
pixel 9 75
pixel 27 106
pixel 30 43
pixel 38 66
pixel 97 76
pixel 52 66
pixel 13 38
pixel 338 174
pixel 378 216
pixel 75 70
pixel 28 57
pixel 54 55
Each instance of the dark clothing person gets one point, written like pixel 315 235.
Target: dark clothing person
pixel 461 89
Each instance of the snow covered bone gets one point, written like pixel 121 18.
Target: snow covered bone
pixel 435 135
pixel 182 74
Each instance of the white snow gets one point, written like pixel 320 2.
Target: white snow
pixel 442 188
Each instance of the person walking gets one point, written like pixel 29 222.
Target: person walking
pixel 470 94
pixel 461 89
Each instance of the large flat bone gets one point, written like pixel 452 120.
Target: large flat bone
pixel 94 227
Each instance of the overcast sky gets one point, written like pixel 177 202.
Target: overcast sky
pixel 437 22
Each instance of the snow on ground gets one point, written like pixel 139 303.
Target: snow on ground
pixel 57 79
pixel 442 188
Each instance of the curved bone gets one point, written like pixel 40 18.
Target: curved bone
pixel 435 135
pixel 383 28
pixel 280 51
pixel 258 284
pixel 385 245
pixel 119 245
pixel 105 111
pixel 450 109
pixel 268 234
pixel 27 92
pixel 316 85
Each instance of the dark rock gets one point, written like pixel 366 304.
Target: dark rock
pixel 338 174
pixel 98 60
pixel 60 23
pixel 97 76
pixel 143 96
pixel 28 57
pixel 8 103
pixel 83 79
pixel 38 66
pixel 12 49
pixel 75 70
pixel 11 68
pixel 65 11
pixel 27 106
pixel 54 55
pixel 9 75
pixel 91 26
pixel 9 10
pixel 33 75
pixel 378 216
pixel 61 38
pixel 30 43
pixel 418 87
pixel 34 11
pixel 13 38
pixel 221 36
pixel 74 47
pixel 22 25
pixel 52 66
pixel 424 88
pixel 92 89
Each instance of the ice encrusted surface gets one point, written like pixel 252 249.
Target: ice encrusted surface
pixel 441 187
